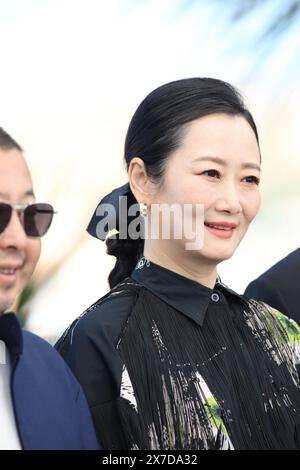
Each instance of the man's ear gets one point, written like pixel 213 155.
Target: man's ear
pixel 139 181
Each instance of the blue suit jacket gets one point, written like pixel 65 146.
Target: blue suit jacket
pixel 50 408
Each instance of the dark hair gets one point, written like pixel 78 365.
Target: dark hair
pixel 157 128
pixel 7 142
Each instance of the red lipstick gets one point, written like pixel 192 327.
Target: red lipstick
pixel 221 229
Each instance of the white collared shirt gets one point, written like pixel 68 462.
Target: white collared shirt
pixel 9 438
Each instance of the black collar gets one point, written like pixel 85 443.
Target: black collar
pixel 11 334
pixel 189 297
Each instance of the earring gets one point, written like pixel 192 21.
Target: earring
pixel 143 209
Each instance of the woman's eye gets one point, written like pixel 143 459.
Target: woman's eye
pixel 212 173
pixel 251 180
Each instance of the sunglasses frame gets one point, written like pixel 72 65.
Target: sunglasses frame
pixel 20 209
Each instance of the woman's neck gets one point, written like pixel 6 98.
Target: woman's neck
pixel 190 266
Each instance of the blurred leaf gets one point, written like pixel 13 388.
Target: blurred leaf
pixel 282 22
pixel 22 300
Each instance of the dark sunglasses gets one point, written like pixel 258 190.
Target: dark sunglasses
pixel 35 218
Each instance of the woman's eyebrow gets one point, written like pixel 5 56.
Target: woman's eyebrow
pixel 211 159
pixel 220 161
pixel 252 166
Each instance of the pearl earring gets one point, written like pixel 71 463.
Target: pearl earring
pixel 143 209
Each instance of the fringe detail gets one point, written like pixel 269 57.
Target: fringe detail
pixel 231 383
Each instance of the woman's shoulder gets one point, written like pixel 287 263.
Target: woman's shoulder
pixel 122 296
pixel 266 309
pixel 290 326
pixel 105 316
pixel 281 328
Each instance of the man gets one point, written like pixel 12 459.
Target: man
pixel 279 286
pixel 41 404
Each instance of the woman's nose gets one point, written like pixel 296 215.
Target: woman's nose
pixel 228 199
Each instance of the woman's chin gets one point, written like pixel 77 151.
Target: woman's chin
pixel 216 257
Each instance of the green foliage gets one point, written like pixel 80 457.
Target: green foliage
pixel 25 296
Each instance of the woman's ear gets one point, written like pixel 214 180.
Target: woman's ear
pixel 139 181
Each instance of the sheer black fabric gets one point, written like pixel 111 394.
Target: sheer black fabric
pixel 157 377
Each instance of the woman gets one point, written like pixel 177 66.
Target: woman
pixel 171 358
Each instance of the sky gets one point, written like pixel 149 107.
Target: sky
pixel 73 73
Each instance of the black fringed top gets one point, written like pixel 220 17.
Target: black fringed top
pixel 167 363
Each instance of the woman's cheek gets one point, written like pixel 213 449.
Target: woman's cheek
pixel 253 206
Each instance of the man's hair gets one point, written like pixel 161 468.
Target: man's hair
pixel 7 142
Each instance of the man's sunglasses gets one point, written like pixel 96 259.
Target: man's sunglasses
pixel 35 218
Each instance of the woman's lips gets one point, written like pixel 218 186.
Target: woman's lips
pixel 221 229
